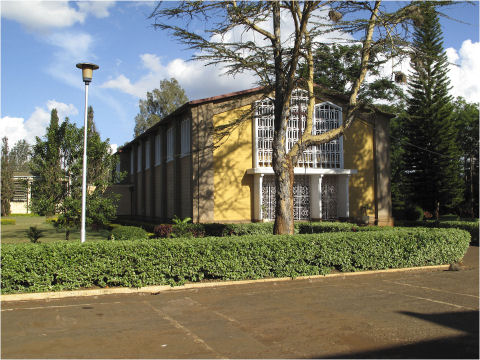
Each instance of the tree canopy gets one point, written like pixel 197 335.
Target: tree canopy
pixel 158 104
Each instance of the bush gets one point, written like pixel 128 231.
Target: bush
pixel 449 217
pixel 128 233
pixel 8 221
pixel 471 226
pixel 327 227
pixel 414 213
pixel 64 265
pixel 34 234
pixel 163 230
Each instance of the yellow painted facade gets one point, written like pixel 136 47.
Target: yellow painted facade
pixel 233 187
pixel 358 154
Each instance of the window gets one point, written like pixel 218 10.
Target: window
pixel 147 154
pixel 185 137
pixel 327 116
pixel 158 150
pixel 131 161
pixel 170 144
pixel 139 158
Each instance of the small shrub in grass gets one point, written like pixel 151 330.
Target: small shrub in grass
pixel 65 266
pixel 34 234
pixel 128 233
pixel 8 221
pixel 414 213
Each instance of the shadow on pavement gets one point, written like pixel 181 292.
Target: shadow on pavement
pixel 454 347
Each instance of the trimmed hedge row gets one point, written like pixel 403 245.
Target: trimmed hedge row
pixel 471 226
pixel 8 221
pixel 61 266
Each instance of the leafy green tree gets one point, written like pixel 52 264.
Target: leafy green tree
pixel 432 167
pixel 20 155
pixel 336 66
pixel 62 150
pixel 158 104
pixel 7 178
pixel 47 187
pixel 466 117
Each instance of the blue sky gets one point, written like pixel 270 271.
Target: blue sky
pixel 42 41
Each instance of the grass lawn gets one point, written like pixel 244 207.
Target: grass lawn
pixel 14 234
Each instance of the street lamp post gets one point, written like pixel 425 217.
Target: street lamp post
pixel 87 72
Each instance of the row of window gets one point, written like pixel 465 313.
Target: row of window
pixel 184 147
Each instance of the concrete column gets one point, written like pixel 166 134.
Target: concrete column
pixel 316 197
pixel 257 194
pixel 343 207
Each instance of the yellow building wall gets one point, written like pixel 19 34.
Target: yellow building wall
pixel 358 154
pixel 233 187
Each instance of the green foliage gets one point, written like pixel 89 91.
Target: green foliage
pixel 8 221
pixel 58 158
pixel 34 234
pixel 7 179
pixel 337 67
pixel 431 157
pixel 413 213
pixel 20 156
pixel 158 104
pixel 180 227
pixel 47 188
pixel 63 265
pixel 471 226
pixel 128 233
pixel 466 117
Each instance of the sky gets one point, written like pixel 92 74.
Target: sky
pixel 42 41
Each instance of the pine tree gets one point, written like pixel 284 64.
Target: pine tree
pixel 7 178
pixel 432 170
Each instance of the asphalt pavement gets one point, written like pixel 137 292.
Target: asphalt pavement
pixel 415 314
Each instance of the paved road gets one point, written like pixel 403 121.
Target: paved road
pixel 424 314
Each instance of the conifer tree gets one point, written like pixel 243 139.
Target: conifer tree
pixel 432 171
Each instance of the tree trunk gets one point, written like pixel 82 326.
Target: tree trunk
pixel 284 199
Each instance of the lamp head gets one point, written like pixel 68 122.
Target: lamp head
pixel 87 71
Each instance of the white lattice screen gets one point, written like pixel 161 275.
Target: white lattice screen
pixel 327 116
pixel 301 198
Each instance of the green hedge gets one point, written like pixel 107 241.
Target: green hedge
pixel 60 266
pixel 471 226
pixel 128 233
pixel 8 221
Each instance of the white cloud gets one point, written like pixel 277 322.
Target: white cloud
pixel 17 128
pixel 465 70
pixel 43 15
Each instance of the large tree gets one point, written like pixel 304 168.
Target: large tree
pixel 431 157
pixel 47 187
pixel 20 155
pixel 158 104
pixel 65 142
pixel 249 37
pixel 7 178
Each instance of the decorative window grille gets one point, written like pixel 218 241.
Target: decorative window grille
pixel 131 161
pixel 301 198
pixel 185 137
pixel 329 197
pixel 264 120
pixel 117 167
pixel 170 144
pixel 139 158
pixel 158 150
pixel 327 116
pixel 147 154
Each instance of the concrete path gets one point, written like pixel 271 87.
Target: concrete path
pixel 421 314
